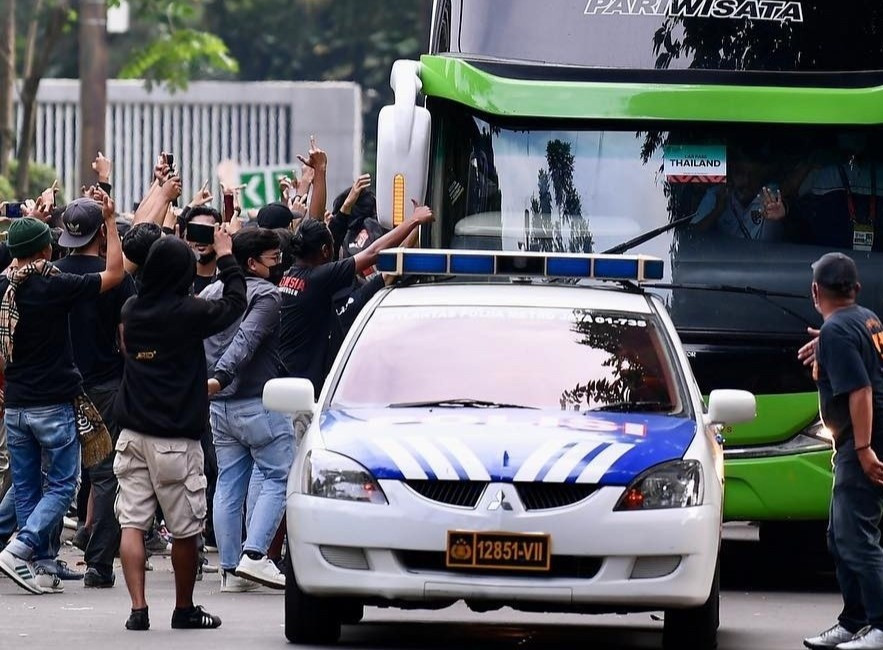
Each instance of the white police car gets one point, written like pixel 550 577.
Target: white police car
pixel 532 445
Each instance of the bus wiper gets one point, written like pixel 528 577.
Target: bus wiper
pixel 647 236
pixel 765 294
pixel 631 407
pixel 460 402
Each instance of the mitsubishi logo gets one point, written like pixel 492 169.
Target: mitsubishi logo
pixel 499 502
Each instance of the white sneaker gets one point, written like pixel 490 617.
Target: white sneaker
pixel 21 571
pixel 233 584
pixel 48 582
pixel 830 638
pixel 262 571
pixel 868 638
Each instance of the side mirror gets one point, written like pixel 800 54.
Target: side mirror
pixel 403 132
pixel 731 406
pixel 289 395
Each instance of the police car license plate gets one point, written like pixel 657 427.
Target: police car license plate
pixel 515 551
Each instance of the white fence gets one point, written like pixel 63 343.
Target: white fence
pixel 253 124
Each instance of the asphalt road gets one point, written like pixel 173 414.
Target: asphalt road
pixel 765 606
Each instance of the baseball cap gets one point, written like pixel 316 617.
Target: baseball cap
pixel 275 215
pixel 835 271
pixel 81 220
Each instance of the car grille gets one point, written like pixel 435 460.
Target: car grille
pixel 544 496
pixel 561 566
pixel 464 494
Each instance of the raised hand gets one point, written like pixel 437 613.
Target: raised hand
pixel 773 205
pixel 318 159
pixel 102 167
pixel 422 213
pixel 361 184
pixel 202 197
pixel 223 241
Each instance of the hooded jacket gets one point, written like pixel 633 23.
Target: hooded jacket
pixel 164 379
pixel 245 356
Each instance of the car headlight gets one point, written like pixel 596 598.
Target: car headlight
pixel 677 484
pixel 334 476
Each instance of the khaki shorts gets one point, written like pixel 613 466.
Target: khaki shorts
pixel 168 471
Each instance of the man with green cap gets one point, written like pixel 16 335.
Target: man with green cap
pixel 42 382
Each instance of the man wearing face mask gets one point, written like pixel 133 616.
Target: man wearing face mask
pixel 241 359
pixel 206 258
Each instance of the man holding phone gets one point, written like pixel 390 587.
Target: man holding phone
pixel 199 232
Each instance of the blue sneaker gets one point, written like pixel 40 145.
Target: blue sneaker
pixel 58 568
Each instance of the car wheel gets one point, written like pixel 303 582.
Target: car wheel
pixel 308 619
pixel 695 627
pixel 351 613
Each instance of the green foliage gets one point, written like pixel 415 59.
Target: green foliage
pixel 175 58
pixel 6 191
pixel 40 177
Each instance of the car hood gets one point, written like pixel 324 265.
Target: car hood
pixel 506 445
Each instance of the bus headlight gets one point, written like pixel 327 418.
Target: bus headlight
pixel 334 476
pixel 812 438
pixel 677 484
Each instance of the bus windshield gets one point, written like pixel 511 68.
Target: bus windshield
pixel 740 35
pixel 757 205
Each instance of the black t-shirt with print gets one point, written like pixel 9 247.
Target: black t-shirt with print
pixel 309 318
pixel 42 371
pixel 849 357
pixel 95 324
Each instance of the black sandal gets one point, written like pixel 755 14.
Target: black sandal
pixel 138 620
pixel 194 618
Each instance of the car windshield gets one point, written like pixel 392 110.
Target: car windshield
pixel 755 205
pixel 547 358
pixel 737 35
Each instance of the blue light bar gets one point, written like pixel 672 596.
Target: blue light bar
pixel 413 261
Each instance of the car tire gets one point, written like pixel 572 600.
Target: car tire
pixel 351 613
pixel 694 627
pixel 308 619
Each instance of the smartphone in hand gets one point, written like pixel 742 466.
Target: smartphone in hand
pixel 12 210
pixel 200 233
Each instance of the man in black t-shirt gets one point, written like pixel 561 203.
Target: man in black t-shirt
pixel 847 368
pixel 95 329
pixel 308 316
pixel 42 382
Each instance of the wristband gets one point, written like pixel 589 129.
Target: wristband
pixel 863 447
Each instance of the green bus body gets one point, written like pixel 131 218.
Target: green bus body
pixel 490 109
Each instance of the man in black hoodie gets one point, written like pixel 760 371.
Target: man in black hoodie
pixel 163 409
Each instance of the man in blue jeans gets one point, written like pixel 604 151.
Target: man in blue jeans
pixel 847 368
pixel 42 382
pixel 241 360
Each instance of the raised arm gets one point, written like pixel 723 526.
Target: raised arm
pixel 395 237
pixel 113 272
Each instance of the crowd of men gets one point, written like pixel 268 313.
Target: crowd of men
pixel 158 332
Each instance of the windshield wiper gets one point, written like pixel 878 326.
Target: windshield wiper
pixel 630 407
pixel 647 236
pixel 765 294
pixel 459 402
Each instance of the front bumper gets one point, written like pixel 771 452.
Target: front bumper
pixel 797 486
pixel 620 544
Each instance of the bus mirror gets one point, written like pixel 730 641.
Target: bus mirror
pixel 403 131
pixel 289 395
pixel 731 406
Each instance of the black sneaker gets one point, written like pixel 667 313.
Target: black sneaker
pixel 138 620
pixel 81 538
pixel 95 579
pixel 194 618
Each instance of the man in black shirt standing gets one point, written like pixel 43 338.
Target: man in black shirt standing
pixel 95 328
pixel 163 407
pixel 848 372
pixel 42 382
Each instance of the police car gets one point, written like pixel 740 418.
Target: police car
pixel 529 443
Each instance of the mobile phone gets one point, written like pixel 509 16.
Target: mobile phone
pixel 170 159
pixel 228 207
pixel 200 233
pixel 12 210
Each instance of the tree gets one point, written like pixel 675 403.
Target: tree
pixel 570 231
pixel 170 50
pixel 7 82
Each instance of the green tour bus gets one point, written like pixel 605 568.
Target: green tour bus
pixel 737 139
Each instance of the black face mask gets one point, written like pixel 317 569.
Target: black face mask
pixel 208 258
pixel 276 273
